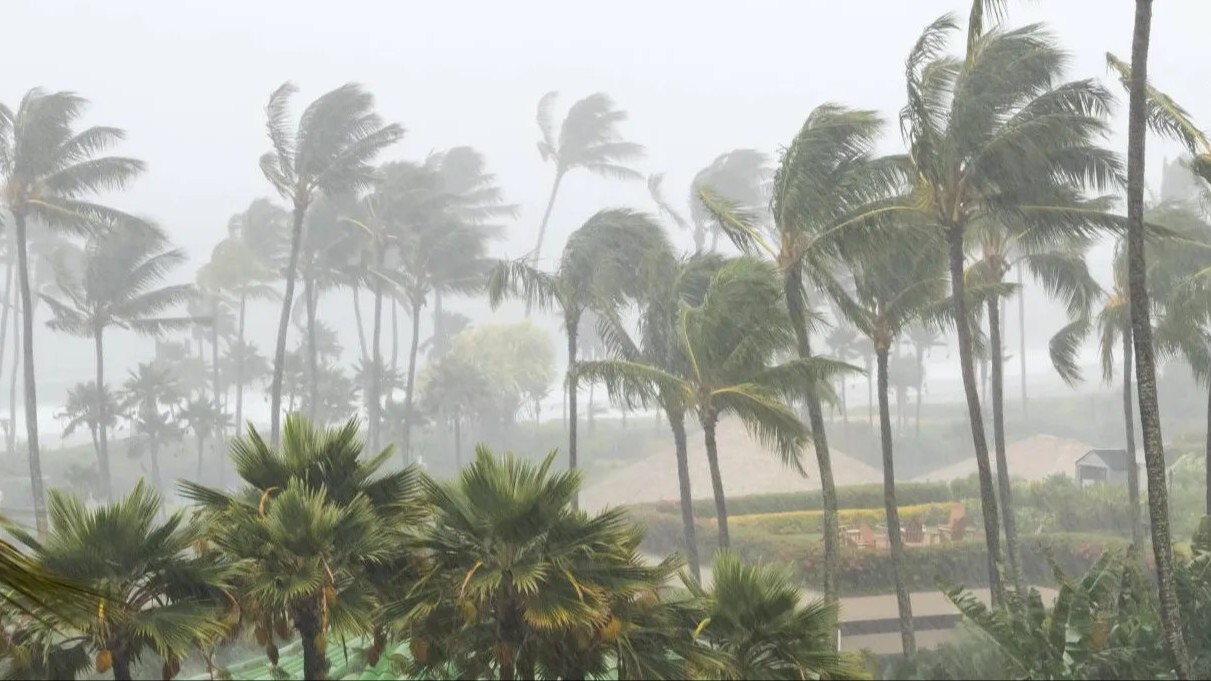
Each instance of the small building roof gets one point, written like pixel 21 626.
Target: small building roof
pixel 1113 459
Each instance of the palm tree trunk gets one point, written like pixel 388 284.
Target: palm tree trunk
pixel 439 330
pixel 796 306
pixel 102 435
pixel 154 446
pixel 677 423
pixel 121 665
pixel 394 334
pixel 1145 362
pixel 361 326
pixel 870 391
pixel 1133 467
pixel 279 354
pixel 1022 342
pixel 907 638
pixel 592 407
pixel 313 371
pixel 31 388
pixel 201 448
pixel 10 272
pixel 509 632
pixel 542 226
pixel 709 422
pixel 220 433
pixel 409 387
pixel 988 495
pixel 458 440
pixel 998 438
pixel 373 403
pixel 239 371
pixel 12 390
pixel 312 637
pixel 573 324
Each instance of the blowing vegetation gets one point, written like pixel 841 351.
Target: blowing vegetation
pixel 332 468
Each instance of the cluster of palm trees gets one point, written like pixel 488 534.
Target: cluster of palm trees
pixel 491 575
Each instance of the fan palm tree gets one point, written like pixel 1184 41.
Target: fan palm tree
pixel 730 343
pixel 47 169
pixel 830 195
pixel 596 272
pixel 157 593
pixel 329 153
pixel 1141 331
pixel 318 530
pixel 589 139
pixel 998 138
pixel 757 619
pixel 516 579
pixel 741 176
pixel 116 288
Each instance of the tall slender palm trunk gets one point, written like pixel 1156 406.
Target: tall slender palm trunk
pixel 373 401
pixel 239 370
pixel 102 416
pixel 311 294
pixel 10 272
pixel 279 354
pixel 12 388
pixel 1022 342
pixel 709 422
pixel 797 308
pixel 680 443
pixel 1133 467
pixel 218 391
pixel 542 226
pixel 573 324
pixel 361 326
pixel 410 385
pixel 1004 484
pixel 908 639
pixel 31 388
pixel 1145 361
pixel 458 439
pixel 988 495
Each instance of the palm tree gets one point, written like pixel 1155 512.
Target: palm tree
pixel 900 285
pixel 156 592
pixel 318 530
pixel 85 407
pixel 329 153
pixel 729 343
pixel 589 139
pixel 47 170
pixel 205 419
pixel 923 338
pixel 829 196
pixel 1141 328
pixel 116 288
pixel 597 272
pixel 841 341
pixel 452 389
pixel 756 617
pixel 515 578
pixel 998 138
pixel 740 176
pixel 148 391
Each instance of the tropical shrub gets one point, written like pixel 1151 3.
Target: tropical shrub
pixel 812 522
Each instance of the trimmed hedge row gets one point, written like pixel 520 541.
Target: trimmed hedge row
pixel 812 522
pixel 869 572
pixel 854 496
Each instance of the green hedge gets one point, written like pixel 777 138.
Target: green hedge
pixel 854 496
pixel 812 522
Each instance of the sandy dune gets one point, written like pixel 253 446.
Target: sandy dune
pixel 1034 458
pixel 747 468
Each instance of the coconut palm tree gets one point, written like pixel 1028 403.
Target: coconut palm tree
pixel 328 154
pixel 841 341
pixel 730 343
pixel 1141 331
pixel 589 139
pixel 515 578
pixel 48 169
pixel 900 285
pixel 756 617
pixel 741 176
pixel 205 419
pixel 85 407
pixel 829 196
pixel 999 138
pixel 319 512
pixel 156 592
pixel 596 272
pixel 116 287
pixel 147 394
pixel 923 338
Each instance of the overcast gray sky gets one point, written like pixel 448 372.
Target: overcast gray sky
pixel 188 79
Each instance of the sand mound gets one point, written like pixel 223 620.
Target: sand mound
pixel 747 467
pixel 1034 458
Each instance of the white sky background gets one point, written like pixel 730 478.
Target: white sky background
pixel 189 79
